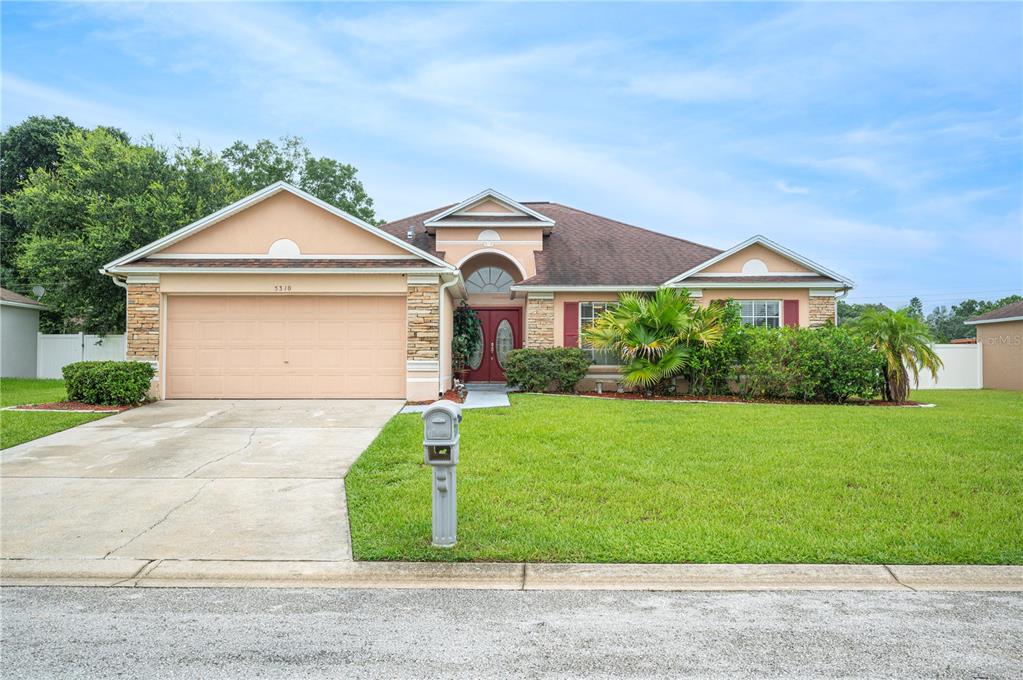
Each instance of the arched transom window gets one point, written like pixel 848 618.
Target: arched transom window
pixel 489 280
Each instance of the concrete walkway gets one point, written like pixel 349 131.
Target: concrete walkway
pixel 477 396
pixel 189 480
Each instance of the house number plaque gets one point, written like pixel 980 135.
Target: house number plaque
pixel 282 289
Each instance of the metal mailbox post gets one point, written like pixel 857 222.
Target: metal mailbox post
pixel 441 422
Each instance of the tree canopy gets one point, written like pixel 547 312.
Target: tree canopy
pixel 75 199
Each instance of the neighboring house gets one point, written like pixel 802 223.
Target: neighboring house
pixel 1000 336
pixel 283 295
pixel 19 326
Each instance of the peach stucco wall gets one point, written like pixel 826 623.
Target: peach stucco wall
pixel 284 215
pixel 519 244
pixel 490 206
pixel 774 261
pixel 279 284
pixel 1002 347
pixel 801 294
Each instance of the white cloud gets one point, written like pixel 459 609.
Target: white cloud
pixel 786 188
pixel 693 86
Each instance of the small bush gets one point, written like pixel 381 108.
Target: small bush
pixel 543 370
pixel 568 367
pixel 108 382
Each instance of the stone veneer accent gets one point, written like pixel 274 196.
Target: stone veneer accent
pixel 423 318
pixel 539 322
pixel 143 325
pixel 822 310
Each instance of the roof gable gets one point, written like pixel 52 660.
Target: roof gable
pixel 489 208
pixel 262 226
pixel 758 257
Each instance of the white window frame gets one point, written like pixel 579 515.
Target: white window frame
pixel 594 354
pixel 752 319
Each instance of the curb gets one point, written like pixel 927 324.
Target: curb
pixel 507 576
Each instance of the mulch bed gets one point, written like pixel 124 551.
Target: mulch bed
pixel 739 400
pixel 70 406
pixel 450 395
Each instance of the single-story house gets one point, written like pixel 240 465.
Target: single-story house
pixel 19 329
pixel 1000 336
pixel 283 295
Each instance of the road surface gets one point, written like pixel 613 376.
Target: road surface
pixel 247 633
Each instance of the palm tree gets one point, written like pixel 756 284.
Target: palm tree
pixel 904 341
pixel 655 334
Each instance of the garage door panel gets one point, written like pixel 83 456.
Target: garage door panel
pixel 300 347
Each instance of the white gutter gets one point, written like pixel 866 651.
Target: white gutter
pixel 118 282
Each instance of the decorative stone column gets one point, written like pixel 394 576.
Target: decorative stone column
pixel 422 346
pixel 822 309
pixel 142 327
pixel 143 324
pixel 540 320
pixel 423 315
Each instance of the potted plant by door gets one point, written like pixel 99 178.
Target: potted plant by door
pixel 465 340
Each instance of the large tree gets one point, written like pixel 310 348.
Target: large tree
pixel 949 324
pixel 254 167
pixel 105 198
pixel 77 199
pixel 848 313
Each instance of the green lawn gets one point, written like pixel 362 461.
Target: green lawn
pixel 22 426
pixel 567 479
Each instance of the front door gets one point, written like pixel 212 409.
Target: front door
pixel 502 332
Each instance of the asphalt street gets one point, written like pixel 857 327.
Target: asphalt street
pixel 247 633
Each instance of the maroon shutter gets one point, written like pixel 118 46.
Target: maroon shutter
pixel 790 312
pixel 571 324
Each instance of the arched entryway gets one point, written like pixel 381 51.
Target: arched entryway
pixel 488 277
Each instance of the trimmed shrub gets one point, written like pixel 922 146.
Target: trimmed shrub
pixel 711 369
pixel 557 369
pixel 110 383
pixel 568 367
pixel 809 364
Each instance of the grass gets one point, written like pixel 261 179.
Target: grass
pixel 23 426
pixel 568 479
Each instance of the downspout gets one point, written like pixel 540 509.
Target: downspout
pixel 440 335
pixel 845 291
pixel 118 282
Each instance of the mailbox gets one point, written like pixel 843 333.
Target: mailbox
pixel 441 423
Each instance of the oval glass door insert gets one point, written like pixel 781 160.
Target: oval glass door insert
pixel 476 358
pixel 504 341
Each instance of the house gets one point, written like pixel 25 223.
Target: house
pixel 1000 336
pixel 19 327
pixel 283 295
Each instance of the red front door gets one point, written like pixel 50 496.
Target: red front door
pixel 502 332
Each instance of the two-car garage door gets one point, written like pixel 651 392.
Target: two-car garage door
pixel 285 347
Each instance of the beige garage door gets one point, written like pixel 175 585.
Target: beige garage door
pixel 285 347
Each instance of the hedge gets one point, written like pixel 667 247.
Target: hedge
pixel 557 369
pixel 826 364
pixel 108 382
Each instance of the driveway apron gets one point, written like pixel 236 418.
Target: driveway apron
pixel 198 480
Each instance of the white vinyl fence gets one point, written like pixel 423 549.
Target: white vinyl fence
pixel 962 370
pixel 54 352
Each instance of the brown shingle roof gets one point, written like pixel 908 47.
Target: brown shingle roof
pixel 11 296
pixel 258 263
pixel 1007 312
pixel 585 249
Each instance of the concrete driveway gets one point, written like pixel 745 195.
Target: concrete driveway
pixel 200 480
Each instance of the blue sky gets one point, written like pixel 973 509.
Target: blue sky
pixel 883 140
